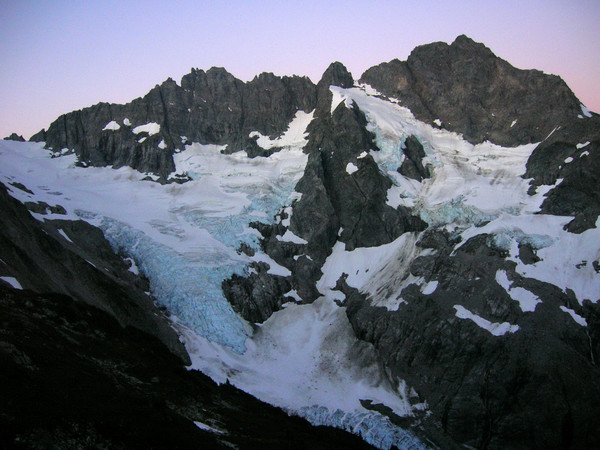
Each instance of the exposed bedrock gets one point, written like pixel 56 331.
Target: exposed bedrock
pixel 211 107
pixel 473 92
pixel 534 388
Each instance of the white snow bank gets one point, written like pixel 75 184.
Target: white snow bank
pixel 337 98
pixel 274 268
pixel 294 294
pixel 208 428
pixel 112 125
pixel 304 356
pixel 527 300
pixel 63 234
pixel 497 329
pixel 351 168
pixel 12 281
pixel 294 136
pixel 133 268
pixel 586 112
pixel 429 288
pixel 162 145
pixel 288 236
pixel 576 317
pixel 151 128
pixel 369 268
pixel 567 262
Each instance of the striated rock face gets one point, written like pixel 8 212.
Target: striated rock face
pixel 211 107
pixel 473 92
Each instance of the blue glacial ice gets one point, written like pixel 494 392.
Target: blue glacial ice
pixel 373 427
pixel 190 292
pixel 188 281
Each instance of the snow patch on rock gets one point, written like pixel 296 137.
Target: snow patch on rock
pixel 288 236
pixel 13 282
pixel 576 317
pixel 151 128
pixel 294 136
pixel 527 300
pixel 369 268
pixel 112 125
pixel 497 329
pixel 63 234
pixel 585 111
pixel 351 168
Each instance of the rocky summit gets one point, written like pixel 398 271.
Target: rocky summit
pixel 412 256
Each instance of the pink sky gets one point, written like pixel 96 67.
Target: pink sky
pixel 65 55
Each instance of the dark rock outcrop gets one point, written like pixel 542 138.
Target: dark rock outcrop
pixel 15 137
pixel 40 136
pixel 473 92
pixel 570 154
pixel 258 296
pixel 412 166
pixel 211 107
pixel 538 387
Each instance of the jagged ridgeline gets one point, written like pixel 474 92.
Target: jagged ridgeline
pixel 413 256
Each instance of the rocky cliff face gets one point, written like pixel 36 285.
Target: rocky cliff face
pixel 211 107
pixel 515 390
pixel 469 90
pixel 570 154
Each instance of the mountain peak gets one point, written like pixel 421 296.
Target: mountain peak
pixel 337 75
pixel 467 89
